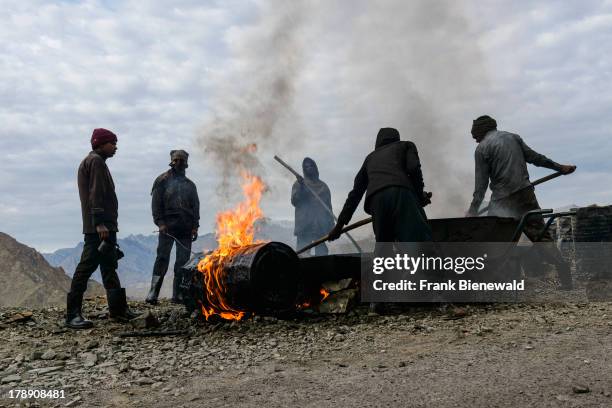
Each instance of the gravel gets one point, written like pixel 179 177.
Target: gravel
pixel 504 355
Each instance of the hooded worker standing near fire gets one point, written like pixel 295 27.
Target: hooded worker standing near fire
pixel 392 181
pixel 176 211
pixel 99 209
pixel 312 219
pixel 501 158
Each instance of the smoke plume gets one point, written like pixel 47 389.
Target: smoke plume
pixel 337 72
pixel 420 71
pixel 255 100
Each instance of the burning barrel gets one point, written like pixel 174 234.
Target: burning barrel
pixel 260 278
pixel 263 278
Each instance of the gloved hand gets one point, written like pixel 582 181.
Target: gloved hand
pixel 567 168
pixel 102 231
pixel 335 232
pixel 426 199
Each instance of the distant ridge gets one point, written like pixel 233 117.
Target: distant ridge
pixel 28 280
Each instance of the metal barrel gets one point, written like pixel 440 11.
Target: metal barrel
pixel 262 278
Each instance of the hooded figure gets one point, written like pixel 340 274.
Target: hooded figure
pixel 312 220
pixel 176 211
pixel 392 182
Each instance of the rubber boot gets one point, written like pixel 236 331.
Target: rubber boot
pixel 177 293
pixel 156 284
pixel 117 305
pixel 74 318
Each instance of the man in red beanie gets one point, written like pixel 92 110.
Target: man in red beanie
pixel 99 209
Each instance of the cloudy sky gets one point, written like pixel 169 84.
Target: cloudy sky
pixel 310 78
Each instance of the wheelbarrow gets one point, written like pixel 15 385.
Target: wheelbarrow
pixel 503 232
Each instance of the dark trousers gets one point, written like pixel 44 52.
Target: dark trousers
pixel 398 217
pixel 162 261
pixel 516 205
pixel 90 260
pixel 307 238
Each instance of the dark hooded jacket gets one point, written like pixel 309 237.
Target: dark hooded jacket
pixel 310 216
pixel 175 203
pixel 97 194
pixel 392 163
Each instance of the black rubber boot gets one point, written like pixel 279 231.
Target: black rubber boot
pixel 177 293
pixel 156 284
pixel 117 305
pixel 74 318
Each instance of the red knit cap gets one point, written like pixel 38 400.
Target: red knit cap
pixel 101 136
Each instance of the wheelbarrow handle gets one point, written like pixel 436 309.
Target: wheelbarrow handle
pixel 525 218
pixel 551 218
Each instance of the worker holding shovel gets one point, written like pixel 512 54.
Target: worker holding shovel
pixel 501 163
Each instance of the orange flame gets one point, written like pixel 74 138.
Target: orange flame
pixel 324 293
pixel 235 229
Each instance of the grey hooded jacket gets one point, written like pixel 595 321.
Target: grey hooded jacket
pixel 311 218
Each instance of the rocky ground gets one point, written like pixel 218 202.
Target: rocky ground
pixel 435 356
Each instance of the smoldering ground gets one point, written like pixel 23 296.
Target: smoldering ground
pixel 318 79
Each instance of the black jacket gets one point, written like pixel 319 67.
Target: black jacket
pixel 392 163
pixel 97 194
pixel 175 203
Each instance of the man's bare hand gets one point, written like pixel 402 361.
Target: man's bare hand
pixel 194 234
pixel 567 168
pixel 102 232
pixel 163 229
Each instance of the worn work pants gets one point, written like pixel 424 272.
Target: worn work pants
pixel 307 238
pixel 398 217
pixel 516 205
pixel 90 260
pixel 164 247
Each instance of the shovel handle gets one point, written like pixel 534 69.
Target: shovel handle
pixel 535 183
pixel 326 237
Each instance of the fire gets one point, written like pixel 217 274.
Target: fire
pixel 324 293
pixel 308 303
pixel 235 228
